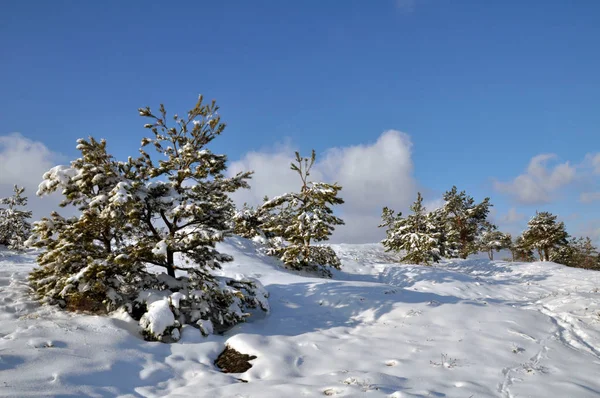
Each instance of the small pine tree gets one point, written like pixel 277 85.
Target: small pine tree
pixel 82 260
pixel 414 235
pixel 302 218
pixel 492 240
pixel 14 227
pixel 464 222
pixel 545 234
pixel 521 251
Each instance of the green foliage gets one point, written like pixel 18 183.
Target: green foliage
pixel 169 212
pixel 417 235
pixel 544 234
pixel 579 253
pixel 464 221
pixel 521 251
pixel 293 222
pixel 14 227
pixel 491 240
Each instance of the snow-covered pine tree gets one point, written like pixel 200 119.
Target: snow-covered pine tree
pixel 303 218
pixel 186 206
pixel 169 213
pixel 492 240
pixel 545 234
pixel 578 252
pixel 82 264
pixel 464 221
pixel 14 227
pixel 414 235
pixel 521 251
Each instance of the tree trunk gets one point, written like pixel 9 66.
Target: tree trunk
pixel 170 264
pixel 491 254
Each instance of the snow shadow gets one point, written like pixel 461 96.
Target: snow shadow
pixel 308 307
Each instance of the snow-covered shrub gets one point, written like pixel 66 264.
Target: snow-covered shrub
pixel 416 235
pixel 292 222
pixel 14 227
pixel 168 212
pixel 213 306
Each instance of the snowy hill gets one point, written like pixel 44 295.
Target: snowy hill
pixel 472 328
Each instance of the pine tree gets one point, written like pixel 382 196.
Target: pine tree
pixel 169 212
pixel 579 253
pixel 415 235
pixel 186 208
pixel 521 251
pixel 545 234
pixel 492 240
pixel 82 260
pixel 464 222
pixel 300 219
pixel 14 227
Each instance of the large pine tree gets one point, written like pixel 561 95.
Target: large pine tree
pixel 14 227
pixel 416 235
pixel 168 212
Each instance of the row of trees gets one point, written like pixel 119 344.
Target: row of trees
pixel 170 205
pixel 453 230
pixel 460 228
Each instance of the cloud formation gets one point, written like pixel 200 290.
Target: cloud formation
pixel 589 197
pixel 23 162
pixel 593 160
pixel 372 176
pixel 540 181
pixel 512 216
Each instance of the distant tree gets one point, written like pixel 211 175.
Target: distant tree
pixel 545 234
pixel 14 227
pixel 415 235
pixel 302 218
pixel 521 251
pixel 579 253
pixel 465 221
pixel 169 212
pixel 493 240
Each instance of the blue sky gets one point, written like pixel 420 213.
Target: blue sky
pixel 479 88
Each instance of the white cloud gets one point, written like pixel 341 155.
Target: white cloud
pixel 539 183
pixel 512 216
pixel 23 162
pixel 372 176
pixel 588 197
pixel 593 160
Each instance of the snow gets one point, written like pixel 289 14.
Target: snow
pixel 158 318
pixel 466 328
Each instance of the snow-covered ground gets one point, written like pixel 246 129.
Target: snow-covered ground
pixel 470 328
